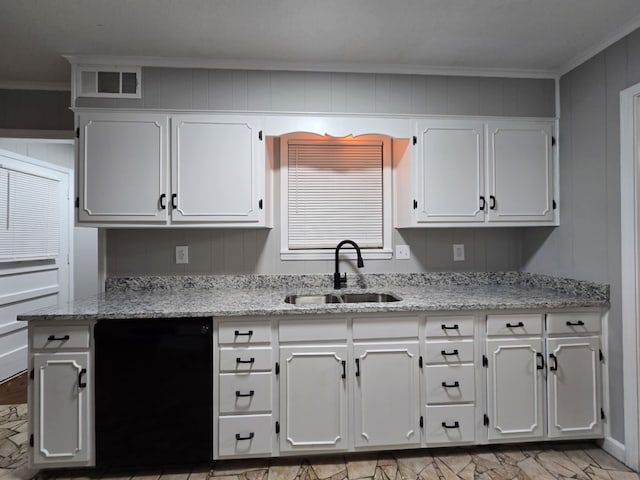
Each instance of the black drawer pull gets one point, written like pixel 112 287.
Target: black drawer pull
pixel 238 333
pixel 515 325
pixel 455 384
pixel 248 437
pixel 579 323
pixel 251 360
pixel 174 197
pixel 483 203
pixel 553 367
pixel 82 384
pixel 445 353
pixel 250 394
pixel 540 366
pixel 52 338
pixel 455 327
pixel 357 367
pixel 163 205
pixel 492 205
pixel 455 425
pixel 344 369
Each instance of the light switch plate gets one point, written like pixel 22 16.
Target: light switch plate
pixel 182 254
pixel 458 252
pixel 403 252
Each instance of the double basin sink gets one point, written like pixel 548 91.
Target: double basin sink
pixel 318 299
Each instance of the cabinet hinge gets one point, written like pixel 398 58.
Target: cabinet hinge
pixel 260 204
pixel 277 427
pixel 485 361
pixel 553 141
pixel 77 202
pixel 486 420
pixel 277 369
pixel 555 205
pixel 421 421
pixel 31 374
pixel 415 140
pixel 260 135
pixel 602 415
pixel 31 440
pixel 415 204
pixel 420 361
pixel 601 356
pixel 78 132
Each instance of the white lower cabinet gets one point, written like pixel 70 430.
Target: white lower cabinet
pixel 573 386
pixel 245 435
pixel 313 398
pixel 515 389
pixel 387 394
pixel 450 424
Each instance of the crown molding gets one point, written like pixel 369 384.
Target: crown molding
pixel 592 51
pixel 174 62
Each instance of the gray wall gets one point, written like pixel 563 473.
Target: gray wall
pixel 143 252
pixel 35 110
pixel 586 246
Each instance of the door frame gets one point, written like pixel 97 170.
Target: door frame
pixel 630 267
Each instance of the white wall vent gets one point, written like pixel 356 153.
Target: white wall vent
pixel 108 81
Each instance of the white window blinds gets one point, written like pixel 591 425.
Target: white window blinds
pixel 335 192
pixel 29 216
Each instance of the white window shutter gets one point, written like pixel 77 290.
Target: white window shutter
pixel 335 192
pixel 29 216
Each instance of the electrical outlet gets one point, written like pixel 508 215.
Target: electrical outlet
pixel 182 254
pixel 403 252
pixel 458 252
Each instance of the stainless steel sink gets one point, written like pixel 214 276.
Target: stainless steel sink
pixel 312 299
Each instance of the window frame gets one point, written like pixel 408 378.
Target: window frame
pixel 384 253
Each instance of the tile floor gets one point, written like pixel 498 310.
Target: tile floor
pixel 544 461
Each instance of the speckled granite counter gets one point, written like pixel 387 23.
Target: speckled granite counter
pixel 225 295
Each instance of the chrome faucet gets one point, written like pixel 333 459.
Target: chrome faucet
pixel 340 281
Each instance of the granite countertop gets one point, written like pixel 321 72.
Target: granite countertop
pixel 263 295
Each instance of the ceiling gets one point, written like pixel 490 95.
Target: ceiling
pixel 519 37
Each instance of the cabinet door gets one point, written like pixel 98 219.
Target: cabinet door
pixel 573 386
pixel 215 169
pixel 61 421
pixel 520 166
pixel 387 395
pixel 313 399
pixel 451 171
pixel 515 389
pixel 122 167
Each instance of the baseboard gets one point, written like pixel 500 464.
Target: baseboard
pixel 12 363
pixel 614 448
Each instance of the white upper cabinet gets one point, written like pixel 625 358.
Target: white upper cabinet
pixel 214 169
pixel 520 171
pixel 476 172
pixel 450 171
pixel 214 175
pixel 122 167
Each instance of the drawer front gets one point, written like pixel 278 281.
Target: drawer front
pixel 244 333
pixel 450 383
pixel 245 392
pixel 459 418
pixel 449 351
pixel 306 329
pixel 385 328
pixel 56 337
pixel 450 326
pixel 574 322
pixel 245 435
pixel 524 324
pixel 245 359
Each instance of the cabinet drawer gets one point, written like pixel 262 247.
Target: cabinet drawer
pixel 459 418
pixel 450 383
pixel 245 435
pixel 385 328
pixel 245 359
pixel 244 333
pixel 245 392
pixel 54 337
pixel 449 351
pixel 306 329
pixel 574 322
pixel 450 326
pixel 523 324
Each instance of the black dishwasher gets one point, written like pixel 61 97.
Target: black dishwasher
pixel 154 392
